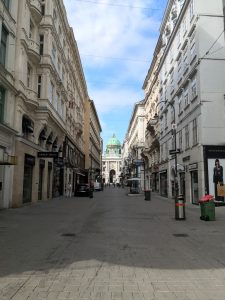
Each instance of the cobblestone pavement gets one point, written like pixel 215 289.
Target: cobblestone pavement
pixel 110 247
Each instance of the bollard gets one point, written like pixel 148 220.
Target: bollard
pixel 180 208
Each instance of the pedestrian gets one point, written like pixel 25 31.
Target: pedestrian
pixel 69 190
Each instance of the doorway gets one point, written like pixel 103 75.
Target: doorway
pixel 194 187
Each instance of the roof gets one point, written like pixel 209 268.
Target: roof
pixel 113 141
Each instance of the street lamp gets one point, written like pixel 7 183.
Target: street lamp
pixel 174 152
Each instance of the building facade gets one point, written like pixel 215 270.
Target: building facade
pixel 93 144
pixel 43 102
pixel 8 29
pixel 151 150
pixel 191 97
pixel 112 162
pixel 133 162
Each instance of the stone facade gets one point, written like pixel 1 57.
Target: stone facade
pixel 45 98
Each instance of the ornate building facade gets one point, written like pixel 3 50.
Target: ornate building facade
pixel 111 161
pixel 43 103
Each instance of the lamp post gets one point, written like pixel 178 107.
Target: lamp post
pixel 174 152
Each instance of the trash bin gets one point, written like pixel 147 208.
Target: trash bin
pixel 147 195
pixel 207 206
pixel 180 208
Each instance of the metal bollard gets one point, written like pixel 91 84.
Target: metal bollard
pixel 180 208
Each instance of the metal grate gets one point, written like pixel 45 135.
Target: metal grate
pixel 180 235
pixel 68 234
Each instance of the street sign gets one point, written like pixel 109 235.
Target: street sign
pixel 138 162
pixel 48 154
pixel 174 151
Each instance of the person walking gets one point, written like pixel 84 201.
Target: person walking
pixel 69 190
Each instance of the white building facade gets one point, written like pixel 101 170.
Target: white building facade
pixel 133 162
pixel 112 162
pixel 8 28
pixel 191 96
pixel 43 96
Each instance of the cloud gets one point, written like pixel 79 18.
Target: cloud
pixel 116 43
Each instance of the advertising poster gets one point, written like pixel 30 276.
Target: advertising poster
pixel 219 176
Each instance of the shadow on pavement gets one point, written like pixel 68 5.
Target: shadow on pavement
pixel 111 228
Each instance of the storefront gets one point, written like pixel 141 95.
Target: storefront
pixel 212 154
pixel 29 162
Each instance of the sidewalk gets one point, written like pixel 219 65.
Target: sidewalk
pixel 111 247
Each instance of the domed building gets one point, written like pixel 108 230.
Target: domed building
pixel 111 161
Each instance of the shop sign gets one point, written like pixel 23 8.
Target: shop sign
pixel 193 166
pixel 138 162
pixel 47 154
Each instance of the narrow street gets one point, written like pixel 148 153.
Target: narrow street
pixel 110 247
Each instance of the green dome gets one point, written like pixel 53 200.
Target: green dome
pixel 113 142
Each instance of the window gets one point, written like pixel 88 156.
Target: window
pixel 184 25
pixel 191 10
pixel 51 92
pixel 39 86
pixel 178 38
pixel 166 120
pixel 193 88
pixel 180 140
pixel 166 150
pixel 195 131
pixel 3 46
pixel 2 103
pixel 31 32
pixel 186 98
pixel 59 66
pixel 6 2
pixel 41 44
pixel 180 103
pixel 29 76
pixel 53 52
pixel 63 74
pixel 187 136
pixel 193 51
pixel 43 9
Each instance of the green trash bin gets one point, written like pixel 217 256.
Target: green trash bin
pixel 207 206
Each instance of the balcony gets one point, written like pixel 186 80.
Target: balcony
pixel 35 7
pixel 31 97
pixel 31 46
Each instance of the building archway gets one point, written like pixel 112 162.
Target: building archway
pixel 112 175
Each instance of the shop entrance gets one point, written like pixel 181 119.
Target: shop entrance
pixel 28 178
pixel 112 175
pixel 194 187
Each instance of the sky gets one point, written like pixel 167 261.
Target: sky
pixel 116 40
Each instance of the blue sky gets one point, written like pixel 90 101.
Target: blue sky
pixel 116 41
